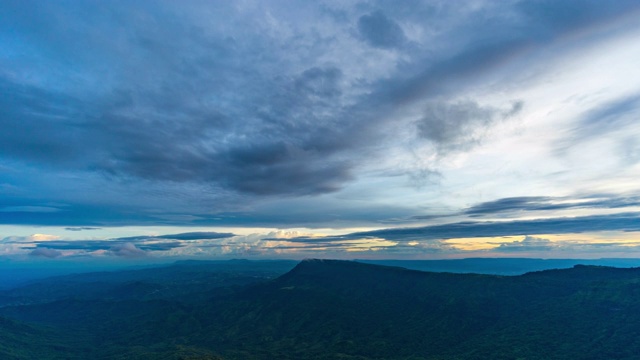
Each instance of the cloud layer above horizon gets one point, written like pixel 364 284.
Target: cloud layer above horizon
pixel 480 119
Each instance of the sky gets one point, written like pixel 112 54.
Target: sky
pixel 150 130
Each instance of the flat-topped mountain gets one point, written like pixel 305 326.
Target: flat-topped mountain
pixel 356 309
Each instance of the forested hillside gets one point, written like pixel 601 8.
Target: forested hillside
pixel 326 309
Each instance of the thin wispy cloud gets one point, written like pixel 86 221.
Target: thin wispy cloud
pixel 467 229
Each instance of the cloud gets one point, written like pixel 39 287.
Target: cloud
pixel 176 138
pixel 542 203
pixel 609 116
pixel 202 235
pixel 46 252
pixel 618 115
pixel 133 246
pixel 224 109
pixel 379 31
pixel 159 246
pixel 553 18
pixel 127 250
pixel 199 235
pixel 460 126
pixel 529 243
pixel 83 228
pixel 78 214
pixel 292 140
pixel 28 239
pixel 320 83
pixel 107 245
pixel 561 225
pixel 559 248
pixel 29 209
pixel 84 245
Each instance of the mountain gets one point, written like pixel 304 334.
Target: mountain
pixel 183 280
pixel 329 309
pixel 335 309
pixel 501 266
pixel 22 341
pixel 127 314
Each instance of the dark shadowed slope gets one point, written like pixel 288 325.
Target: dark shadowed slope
pixel 21 341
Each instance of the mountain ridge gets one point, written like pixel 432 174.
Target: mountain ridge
pixel 338 309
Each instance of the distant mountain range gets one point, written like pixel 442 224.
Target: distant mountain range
pixel 324 309
pixel 501 266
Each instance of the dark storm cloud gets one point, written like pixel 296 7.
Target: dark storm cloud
pixel 171 127
pixel 563 225
pixel 380 31
pixel 542 203
pixel 155 92
pixel 176 147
